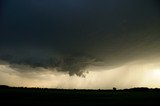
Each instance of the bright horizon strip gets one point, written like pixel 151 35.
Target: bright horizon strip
pixel 127 76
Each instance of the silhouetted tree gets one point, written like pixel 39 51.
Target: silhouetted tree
pixel 114 88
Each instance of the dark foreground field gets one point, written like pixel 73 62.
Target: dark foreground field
pixel 36 97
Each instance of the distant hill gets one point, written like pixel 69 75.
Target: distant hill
pixel 129 89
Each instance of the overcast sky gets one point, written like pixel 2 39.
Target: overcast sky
pixel 73 37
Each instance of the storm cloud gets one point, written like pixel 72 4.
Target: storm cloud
pixel 75 34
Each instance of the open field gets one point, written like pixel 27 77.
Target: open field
pixel 36 96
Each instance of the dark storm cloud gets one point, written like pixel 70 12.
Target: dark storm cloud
pixel 74 34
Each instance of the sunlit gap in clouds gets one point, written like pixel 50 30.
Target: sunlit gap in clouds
pixel 133 74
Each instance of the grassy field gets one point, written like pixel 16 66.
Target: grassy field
pixel 37 97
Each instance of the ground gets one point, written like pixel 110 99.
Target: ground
pixel 37 97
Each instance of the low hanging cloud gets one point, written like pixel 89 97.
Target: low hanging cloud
pixel 72 36
pixel 31 59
